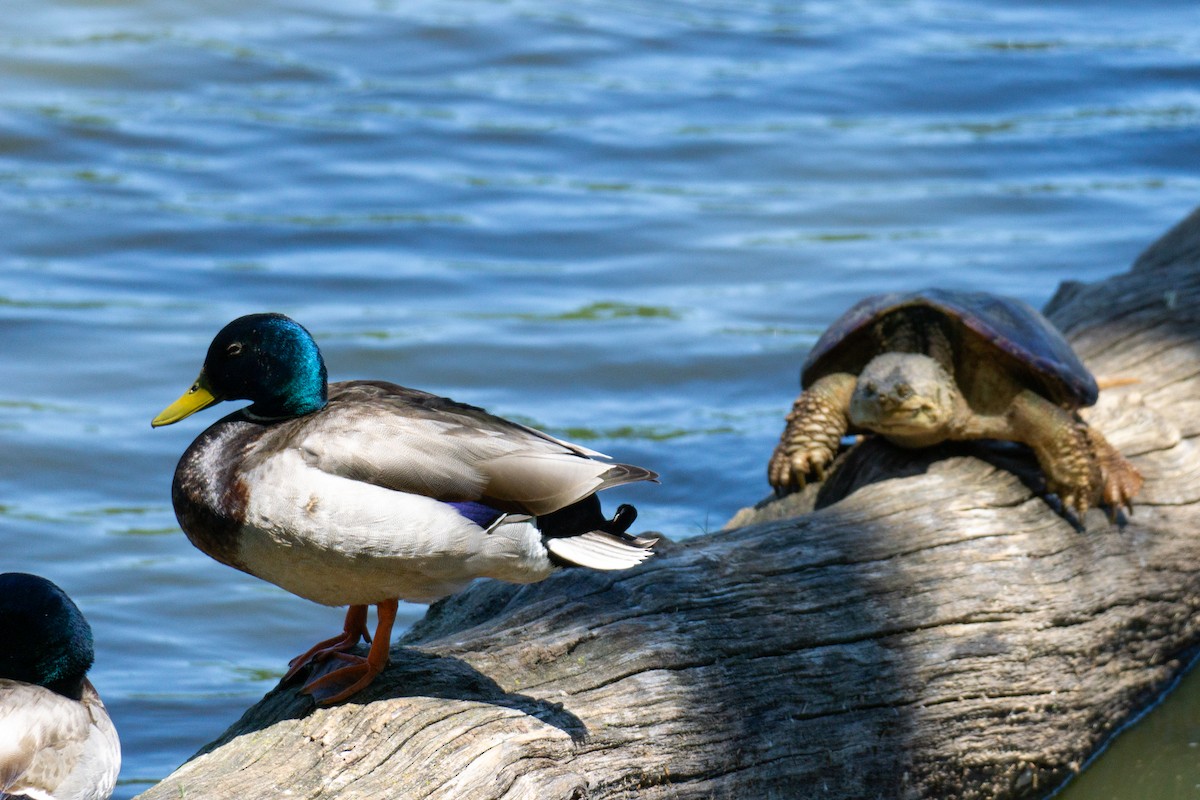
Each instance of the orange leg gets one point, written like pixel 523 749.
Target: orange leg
pixel 344 682
pixel 353 629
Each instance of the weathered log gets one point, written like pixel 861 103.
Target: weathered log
pixel 936 628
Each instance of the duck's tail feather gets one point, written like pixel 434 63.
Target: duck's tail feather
pixel 601 550
pixel 606 546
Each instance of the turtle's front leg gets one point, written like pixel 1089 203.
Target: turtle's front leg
pixel 814 429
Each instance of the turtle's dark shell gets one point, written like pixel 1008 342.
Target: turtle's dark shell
pixel 1023 338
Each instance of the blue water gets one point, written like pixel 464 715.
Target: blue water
pixel 624 222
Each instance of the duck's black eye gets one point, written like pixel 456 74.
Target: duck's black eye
pixel 234 349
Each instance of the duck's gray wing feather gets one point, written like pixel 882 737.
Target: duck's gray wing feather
pixel 414 441
pixel 41 735
pixel 54 745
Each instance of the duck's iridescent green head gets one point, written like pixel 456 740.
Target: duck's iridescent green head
pixel 268 359
pixel 45 638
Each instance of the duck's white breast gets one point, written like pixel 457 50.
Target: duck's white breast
pixel 339 541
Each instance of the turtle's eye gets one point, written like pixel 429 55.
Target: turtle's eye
pixel 234 349
pixel 870 389
pixel 903 391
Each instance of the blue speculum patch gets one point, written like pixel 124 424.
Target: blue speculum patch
pixel 482 515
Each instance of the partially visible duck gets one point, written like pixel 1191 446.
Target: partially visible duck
pixel 364 493
pixel 56 740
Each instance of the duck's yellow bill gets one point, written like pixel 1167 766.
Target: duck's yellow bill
pixel 189 403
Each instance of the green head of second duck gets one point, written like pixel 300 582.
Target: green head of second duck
pixel 47 641
pixel 56 738
pixel 268 359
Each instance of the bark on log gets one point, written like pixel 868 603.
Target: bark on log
pixel 933 629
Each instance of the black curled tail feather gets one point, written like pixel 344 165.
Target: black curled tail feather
pixel 580 536
pixel 625 516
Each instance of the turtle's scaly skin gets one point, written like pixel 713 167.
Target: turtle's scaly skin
pixel 932 366
pixel 816 424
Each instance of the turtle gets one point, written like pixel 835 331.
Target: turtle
pixel 923 367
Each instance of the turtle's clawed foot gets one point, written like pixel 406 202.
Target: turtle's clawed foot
pixel 791 467
pixel 809 442
pixel 1119 490
pixel 1120 480
pixel 1076 498
pixel 1107 479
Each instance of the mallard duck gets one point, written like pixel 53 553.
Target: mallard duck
pixel 364 493
pixel 56 740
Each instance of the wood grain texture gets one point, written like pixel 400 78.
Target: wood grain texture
pixel 933 629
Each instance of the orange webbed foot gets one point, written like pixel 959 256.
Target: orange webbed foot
pixel 354 628
pixel 338 683
pixel 335 684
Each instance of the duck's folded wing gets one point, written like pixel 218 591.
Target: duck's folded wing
pixel 412 441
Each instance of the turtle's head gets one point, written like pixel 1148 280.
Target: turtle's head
pixel 907 397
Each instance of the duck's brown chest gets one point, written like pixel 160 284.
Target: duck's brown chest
pixel 209 498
